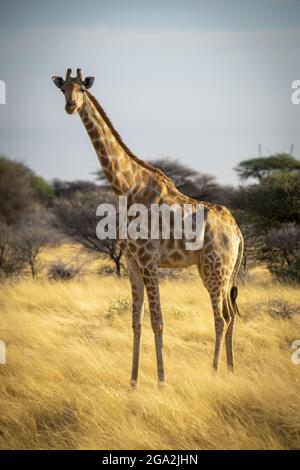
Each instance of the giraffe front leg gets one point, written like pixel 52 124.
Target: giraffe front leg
pixel 152 287
pixel 137 290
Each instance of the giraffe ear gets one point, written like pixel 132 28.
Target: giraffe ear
pixel 58 81
pixel 88 82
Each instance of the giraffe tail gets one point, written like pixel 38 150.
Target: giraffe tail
pixel 233 296
pixel 234 289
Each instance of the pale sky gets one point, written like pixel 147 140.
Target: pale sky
pixel 201 81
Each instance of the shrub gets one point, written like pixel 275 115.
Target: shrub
pixel 281 252
pixel 278 308
pixel 118 307
pixel 60 271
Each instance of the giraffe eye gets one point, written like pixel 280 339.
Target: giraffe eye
pixel 82 90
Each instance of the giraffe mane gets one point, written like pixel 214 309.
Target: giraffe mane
pixel 117 136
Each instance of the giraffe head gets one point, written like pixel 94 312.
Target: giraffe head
pixel 73 88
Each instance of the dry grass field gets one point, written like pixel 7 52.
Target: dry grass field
pixel 66 381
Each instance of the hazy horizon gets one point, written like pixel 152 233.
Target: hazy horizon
pixel 196 81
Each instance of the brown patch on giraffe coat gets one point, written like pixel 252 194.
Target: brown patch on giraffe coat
pixel 122 244
pixel 116 189
pixel 93 133
pixel 104 161
pixel 144 256
pixel 97 145
pixel 132 247
pixel 176 256
pixel 225 239
pixel 146 271
pixel 89 125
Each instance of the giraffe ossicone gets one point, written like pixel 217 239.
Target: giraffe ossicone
pixel 218 260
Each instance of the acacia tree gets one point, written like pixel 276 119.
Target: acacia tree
pixel 195 184
pixel 270 209
pixel 273 201
pixel 30 235
pixel 259 168
pixel 76 218
pixel 10 261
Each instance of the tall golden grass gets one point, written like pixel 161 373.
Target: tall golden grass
pixel 66 381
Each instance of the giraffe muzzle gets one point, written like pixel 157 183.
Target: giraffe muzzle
pixel 70 107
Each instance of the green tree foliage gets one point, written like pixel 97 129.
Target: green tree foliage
pixel 261 167
pixel 270 209
pixel 20 190
pixel 273 201
pixel 42 188
pixel 16 192
pixel 281 251
pixel 10 261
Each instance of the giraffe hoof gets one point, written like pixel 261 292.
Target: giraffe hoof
pixel 161 384
pixel 133 384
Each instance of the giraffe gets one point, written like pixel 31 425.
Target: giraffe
pixel 218 260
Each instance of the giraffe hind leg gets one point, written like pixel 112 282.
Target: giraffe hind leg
pixel 229 314
pixel 220 325
pixel 217 286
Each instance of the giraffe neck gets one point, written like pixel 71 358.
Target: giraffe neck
pixel 124 171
